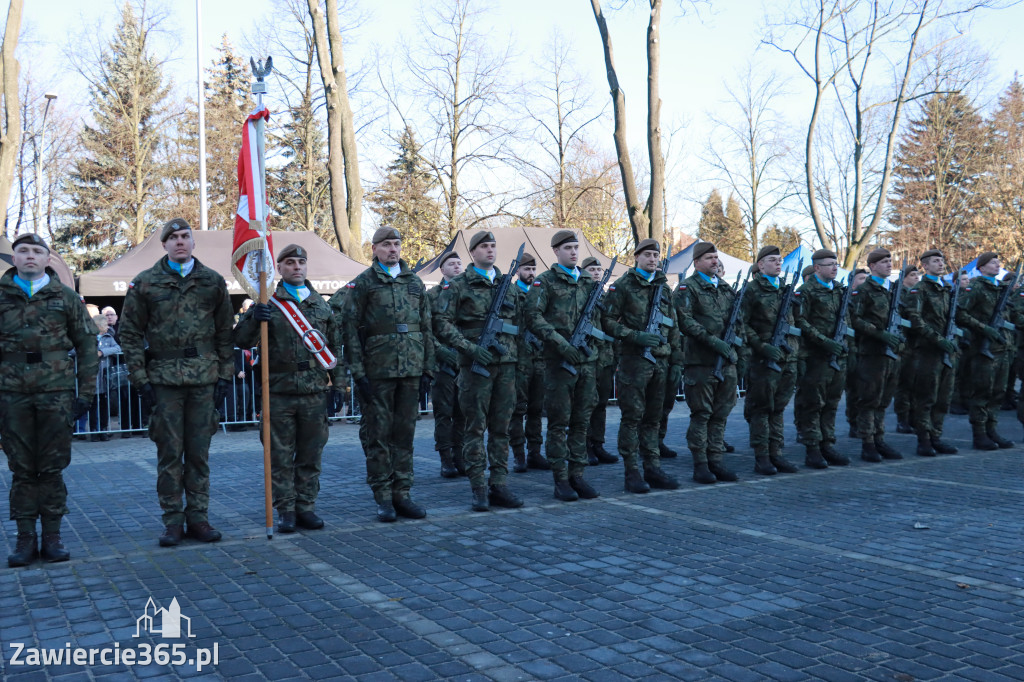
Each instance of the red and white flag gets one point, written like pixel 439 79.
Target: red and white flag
pixel 248 241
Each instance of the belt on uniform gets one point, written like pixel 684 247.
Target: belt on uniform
pixel 289 367
pixel 382 329
pixel 179 353
pixel 32 357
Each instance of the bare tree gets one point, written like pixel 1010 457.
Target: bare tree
pixel 10 135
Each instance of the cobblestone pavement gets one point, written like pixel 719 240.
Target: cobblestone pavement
pixel 818 575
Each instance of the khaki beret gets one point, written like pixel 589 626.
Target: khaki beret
pixel 768 251
pixel 291 251
pixel 383 233
pixel 30 238
pixel 172 226
pixel 931 253
pixel 877 255
pixel 807 272
pixel 481 237
pixel 563 237
pixel 588 261
pixel 528 259
pixel 822 254
pixel 984 258
pixel 703 248
pixel 646 244
pixel 447 257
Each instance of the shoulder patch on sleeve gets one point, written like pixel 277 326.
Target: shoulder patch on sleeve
pixel 536 283
pixel 131 285
pixel 350 285
pixel 913 291
pixel 682 287
pixel 968 288
pixel 611 287
pixel 854 293
pixel 445 286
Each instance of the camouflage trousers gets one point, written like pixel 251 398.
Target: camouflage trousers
pixel 183 422
pixel 529 407
pixel 604 380
pixel 818 392
pixel 298 434
pixel 768 394
pixel 875 384
pixel 449 422
pixel 36 432
pixel 671 391
pixel 851 389
pixel 387 432
pixel 641 395
pixel 933 388
pixel 906 386
pixel 710 402
pixel 487 403
pixel 985 386
pixel 568 399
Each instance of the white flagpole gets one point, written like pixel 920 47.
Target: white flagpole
pixel 202 116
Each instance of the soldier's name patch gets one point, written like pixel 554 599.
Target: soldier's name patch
pixel 55 305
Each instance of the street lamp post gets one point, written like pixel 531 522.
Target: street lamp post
pixel 39 163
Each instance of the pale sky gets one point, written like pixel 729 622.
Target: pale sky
pixel 699 56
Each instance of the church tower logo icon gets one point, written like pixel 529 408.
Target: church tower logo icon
pixel 166 622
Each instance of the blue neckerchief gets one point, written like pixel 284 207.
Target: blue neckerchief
pixel 649 276
pixel 574 273
pixel 774 281
pixel 388 269
pixel 827 285
pixel 182 268
pixel 935 279
pixel 524 286
pixel 296 292
pixel 31 286
pixel 990 279
pixel 884 283
pixel 488 274
pixel 713 281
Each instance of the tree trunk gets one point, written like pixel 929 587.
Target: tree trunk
pixel 656 198
pixel 10 140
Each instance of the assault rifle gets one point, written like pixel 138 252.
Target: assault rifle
pixel 585 325
pixel 654 317
pixel 998 321
pixel 493 324
pixel 729 335
pixel 895 323
pixel 783 328
pixel 952 331
pixel 842 330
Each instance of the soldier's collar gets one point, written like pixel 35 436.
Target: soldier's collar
pixel 828 285
pixel 644 275
pixel 933 278
pixel 713 281
pixel 774 281
pixel 991 280
pixel 574 273
pixel 884 283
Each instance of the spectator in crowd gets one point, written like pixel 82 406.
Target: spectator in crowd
pixel 111 316
pixel 99 413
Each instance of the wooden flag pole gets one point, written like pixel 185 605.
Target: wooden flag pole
pixel 265 402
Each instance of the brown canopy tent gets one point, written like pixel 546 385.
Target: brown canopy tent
pixel 538 242
pixel 56 262
pixel 329 269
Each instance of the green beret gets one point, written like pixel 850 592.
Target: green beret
pixel 646 244
pixel 588 261
pixel 822 254
pixel 528 259
pixel 984 258
pixel 910 269
pixel 877 255
pixel 768 251
pixel 930 253
pixel 481 237
pixel 563 237
pixel 29 238
pixel 291 251
pixel 384 233
pixel 807 272
pixel 448 256
pixel 703 248
pixel 172 226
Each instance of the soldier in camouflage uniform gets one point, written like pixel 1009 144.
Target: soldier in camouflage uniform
pixel 642 382
pixel 553 311
pixel 42 322
pixel 607 359
pixel 985 377
pixel 526 439
pixel 956 402
pixel 877 371
pixel 672 381
pixel 386 330
pixel 860 276
pixel 705 302
pixel 932 379
pixel 449 422
pixel 487 378
pixel 1016 316
pixel 176 337
pixel 768 390
pixel 820 387
pixel 905 383
pixel 299 397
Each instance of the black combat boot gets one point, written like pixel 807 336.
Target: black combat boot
pixel 665 452
pixel 854 433
pixel 480 503
pixel 635 482
pixel 814 459
pixel 981 439
pixel 406 508
pixel 448 469
pixel 592 459
pixel 172 535
pixel 869 453
pixel 763 465
pixel 535 460
pixel 902 426
pixel 781 464
pixel 25 551
pixel 385 509
pixel 728 448
pixel 702 474
pixel 564 491
pixel 309 520
pixel 286 522
pixel 203 532
pixel 991 432
pixel 501 496
pixel 924 446
pixel 519 458
pixel 656 478
pixel 582 487
pixel 603 456
pixel 721 473
pixel 885 450
pixel 458 460
pixel 833 456
pixel 943 447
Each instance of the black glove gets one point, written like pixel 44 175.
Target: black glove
pixel 481 355
pixel 772 353
pixel 334 401
pixel 426 381
pixel 891 340
pixel 647 339
pixel 220 394
pixel 82 405
pixel 833 347
pixel 147 394
pixel 261 311
pixel 571 354
pixel 992 334
pixel 364 389
pixel 946 346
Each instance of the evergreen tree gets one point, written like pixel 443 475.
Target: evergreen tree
pixel 299 192
pixel 404 201
pixel 786 238
pixel 1002 222
pixel 736 240
pixel 724 228
pixel 116 187
pixel 227 105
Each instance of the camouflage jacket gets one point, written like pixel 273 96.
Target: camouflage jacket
pixel 627 307
pixel 386 325
pixel 817 315
pixel 703 311
pixel 186 322
pixel 528 352
pixel 930 314
pixel 869 315
pixel 433 295
pixel 975 311
pixel 556 305
pixel 293 369
pixel 462 308
pixel 50 324
pixel 759 311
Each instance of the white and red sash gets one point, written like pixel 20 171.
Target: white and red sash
pixel 313 339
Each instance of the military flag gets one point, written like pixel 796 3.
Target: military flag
pixel 252 238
